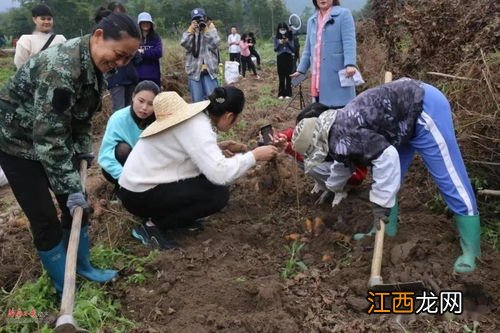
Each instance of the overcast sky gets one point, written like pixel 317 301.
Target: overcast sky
pixel 5 5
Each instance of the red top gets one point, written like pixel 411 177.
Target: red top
pixel 357 176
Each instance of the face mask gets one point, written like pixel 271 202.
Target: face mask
pixel 282 32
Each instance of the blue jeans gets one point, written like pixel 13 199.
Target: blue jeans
pixel 200 90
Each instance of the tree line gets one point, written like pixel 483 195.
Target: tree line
pixel 75 17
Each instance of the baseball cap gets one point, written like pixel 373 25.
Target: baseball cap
pixel 198 12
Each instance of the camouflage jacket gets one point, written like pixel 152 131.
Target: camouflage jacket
pixel 46 108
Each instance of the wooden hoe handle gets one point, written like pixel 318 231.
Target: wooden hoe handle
pixel 66 323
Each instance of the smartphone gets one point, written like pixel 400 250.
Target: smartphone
pixel 298 79
pixel 267 133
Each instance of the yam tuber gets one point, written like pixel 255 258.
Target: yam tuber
pixel 319 226
pixel 309 227
pixel 292 237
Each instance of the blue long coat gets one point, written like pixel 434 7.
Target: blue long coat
pixel 337 52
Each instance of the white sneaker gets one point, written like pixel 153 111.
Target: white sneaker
pixel 287 97
pixel 281 97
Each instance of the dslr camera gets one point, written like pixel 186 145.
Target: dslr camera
pixel 249 40
pixel 201 22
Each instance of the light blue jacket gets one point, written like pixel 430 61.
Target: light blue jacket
pixel 121 127
pixel 338 51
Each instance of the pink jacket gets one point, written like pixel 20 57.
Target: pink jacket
pixel 244 49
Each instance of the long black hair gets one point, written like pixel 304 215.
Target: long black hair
pixel 149 86
pixel 284 26
pixel 152 34
pixel 226 99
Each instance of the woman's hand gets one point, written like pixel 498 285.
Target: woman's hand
pixel 350 71
pixel 230 148
pixel 295 74
pixel 265 153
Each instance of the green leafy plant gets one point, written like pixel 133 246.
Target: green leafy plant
pixel 293 263
pixel 94 310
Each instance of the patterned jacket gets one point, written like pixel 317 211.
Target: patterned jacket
pixel 377 118
pixel 46 108
pixel 208 42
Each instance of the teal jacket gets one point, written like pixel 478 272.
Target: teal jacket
pixel 338 50
pixel 121 127
pixel 46 110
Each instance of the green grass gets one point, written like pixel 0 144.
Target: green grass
pixel 7 69
pixel 266 101
pixel 231 134
pixel 95 310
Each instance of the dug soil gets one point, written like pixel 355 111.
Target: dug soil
pixel 228 277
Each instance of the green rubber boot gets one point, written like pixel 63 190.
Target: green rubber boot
pixel 470 241
pixel 391 228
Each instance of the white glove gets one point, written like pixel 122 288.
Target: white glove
pixel 317 188
pixel 339 196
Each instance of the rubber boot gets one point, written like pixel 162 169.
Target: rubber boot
pixel 54 262
pixel 83 266
pixel 470 241
pixel 391 228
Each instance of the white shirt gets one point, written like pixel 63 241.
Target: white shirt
pixel 234 39
pixel 29 45
pixel 181 152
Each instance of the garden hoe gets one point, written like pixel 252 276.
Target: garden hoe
pixel 65 322
pixel 376 283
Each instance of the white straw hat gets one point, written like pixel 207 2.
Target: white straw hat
pixel 170 110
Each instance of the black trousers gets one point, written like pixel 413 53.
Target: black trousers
pixel 30 185
pixel 253 52
pixel 236 57
pixel 176 204
pixel 246 62
pixel 285 68
pixel 122 150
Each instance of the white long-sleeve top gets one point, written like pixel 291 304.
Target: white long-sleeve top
pixel 234 48
pixel 29 45
pixel 181 152
pixel 386 175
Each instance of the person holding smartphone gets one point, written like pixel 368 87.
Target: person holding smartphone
pixel 284 48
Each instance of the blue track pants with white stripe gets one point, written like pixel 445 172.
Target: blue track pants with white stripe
pixel 436 143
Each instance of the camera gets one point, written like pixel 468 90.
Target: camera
pixel 201 22
pixel 249 40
